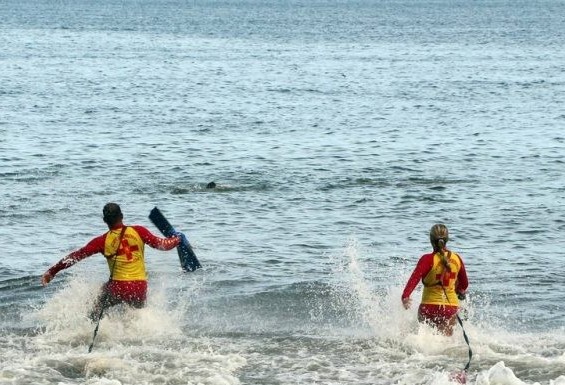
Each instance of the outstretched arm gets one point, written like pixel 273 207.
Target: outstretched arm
pixel 155 241
pixel 94 246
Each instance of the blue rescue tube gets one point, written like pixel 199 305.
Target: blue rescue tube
pixel 188 260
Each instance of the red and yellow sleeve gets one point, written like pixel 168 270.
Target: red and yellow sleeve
pixel 462 280
pixel 94 246
pixel 156 242
pixel 420 271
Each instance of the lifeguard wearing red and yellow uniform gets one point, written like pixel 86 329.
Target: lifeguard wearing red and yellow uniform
pixel 444 277
pixel 124 249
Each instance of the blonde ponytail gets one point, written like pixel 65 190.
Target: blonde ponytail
pixel 439 235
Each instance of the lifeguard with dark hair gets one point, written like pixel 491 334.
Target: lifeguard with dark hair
pixel 123 247
pixel 444 277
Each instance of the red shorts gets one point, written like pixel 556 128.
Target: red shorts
pixel 133 293
pixel 437 314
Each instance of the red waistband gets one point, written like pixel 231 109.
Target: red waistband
pixel 437 311
pixel 128 290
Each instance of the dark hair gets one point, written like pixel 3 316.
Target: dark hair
pixel 111 213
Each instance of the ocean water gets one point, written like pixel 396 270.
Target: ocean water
pixel 337 132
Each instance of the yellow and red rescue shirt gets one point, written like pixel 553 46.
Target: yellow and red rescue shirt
pixel 128 255
pixel 441 284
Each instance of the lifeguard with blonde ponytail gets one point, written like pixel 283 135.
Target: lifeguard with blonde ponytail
pixel 443 274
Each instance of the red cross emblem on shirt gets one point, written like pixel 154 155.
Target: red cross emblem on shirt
pixel 445 277
pixel 127 250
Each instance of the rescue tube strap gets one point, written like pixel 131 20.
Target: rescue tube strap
pixel 116 252
pixel 105 289
pixel 466 368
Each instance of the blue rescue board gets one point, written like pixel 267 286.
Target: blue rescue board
pixel 188 260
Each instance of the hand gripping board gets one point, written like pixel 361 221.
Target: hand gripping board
pixel 188 260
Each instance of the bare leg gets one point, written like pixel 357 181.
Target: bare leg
pixel 104 301
pixel 446 326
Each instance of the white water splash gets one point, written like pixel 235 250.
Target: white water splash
pixel 144 346
pixel 417 345
pixel 383 313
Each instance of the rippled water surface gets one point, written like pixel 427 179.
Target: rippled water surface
pixel 337 134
